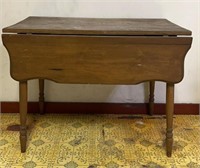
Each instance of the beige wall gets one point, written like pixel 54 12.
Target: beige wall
pixel 182 12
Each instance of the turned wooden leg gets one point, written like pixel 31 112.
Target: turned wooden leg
pixel 41 96
pixel 151 97
pixel 23 114
pixel 169 118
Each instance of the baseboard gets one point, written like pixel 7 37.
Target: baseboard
pixel 100 108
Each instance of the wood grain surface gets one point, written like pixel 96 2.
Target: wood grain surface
pixel 97 26
pixel 96 60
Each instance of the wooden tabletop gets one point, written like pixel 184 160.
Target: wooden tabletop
pixel 96 26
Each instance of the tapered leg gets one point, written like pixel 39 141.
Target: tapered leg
pixel 169 118
pixel 151 97
pixel 23 114
pixel 41 96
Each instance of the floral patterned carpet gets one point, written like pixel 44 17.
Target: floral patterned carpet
pixel 99 141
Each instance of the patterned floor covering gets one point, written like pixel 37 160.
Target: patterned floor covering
pixel 99 141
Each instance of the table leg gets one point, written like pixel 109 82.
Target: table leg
pixel 169 118
pixel 23 114
pixel 151 97
pixel 41 96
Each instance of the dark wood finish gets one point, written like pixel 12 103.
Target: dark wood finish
pixel 97 26
pixel 23 114
pixel 151 97
pixel 97 60
pixel 169 118
pixel 41 96
pixel 101 108
pixel 97 51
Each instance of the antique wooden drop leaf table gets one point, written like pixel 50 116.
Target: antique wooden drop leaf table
pixel 97 51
